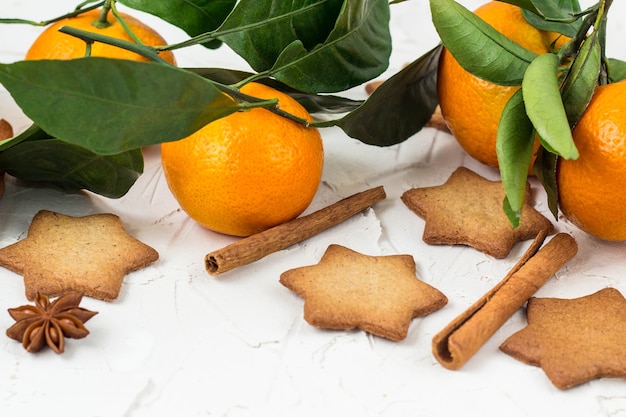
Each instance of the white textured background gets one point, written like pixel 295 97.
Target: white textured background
pixel 179 342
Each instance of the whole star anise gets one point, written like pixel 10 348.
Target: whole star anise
pixel 49 323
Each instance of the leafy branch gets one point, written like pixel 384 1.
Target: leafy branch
pixel 555 87
pixel 110 107
pixel 80 9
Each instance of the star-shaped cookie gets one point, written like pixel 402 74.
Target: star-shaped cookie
pixel 89 254
pixel 467 210
pixel 575 340
pixel 378 294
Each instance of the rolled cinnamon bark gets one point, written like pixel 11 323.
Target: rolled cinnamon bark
pixel 462 338
pixel 257 246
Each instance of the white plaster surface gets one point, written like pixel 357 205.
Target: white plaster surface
pixel 180 342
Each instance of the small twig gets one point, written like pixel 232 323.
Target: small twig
pixel 126 28
pixel 90 37
pixel 79 10
pixel 248 101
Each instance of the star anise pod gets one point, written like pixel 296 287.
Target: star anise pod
pixel 49 323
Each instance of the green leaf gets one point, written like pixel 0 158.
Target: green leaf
pixel 514 147
pixel 545 171
pixel 544 106
pixel 324 103
pixel 513 215
pixel 582 78
pixel 617 70
pixel 34 132
pixel 109 106
pixel 477 46
pixel 259 30
pixel 313 103
pixel 399 107
pixel 70 167
pixel 313 46
pixel 195 17
pixel 559 16
pixel 226 76
pixel 356 51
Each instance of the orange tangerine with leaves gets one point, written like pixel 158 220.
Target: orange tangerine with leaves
pixel 52 44
pixel 472 106
pixel 248 171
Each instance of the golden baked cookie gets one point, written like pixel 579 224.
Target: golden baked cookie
pixel 63 254
pixel 467 210
pixel 378 294
pixel 574 340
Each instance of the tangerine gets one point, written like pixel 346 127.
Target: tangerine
pixel 591 188
pixel 472 106
pixel 52 44
pixel 248 171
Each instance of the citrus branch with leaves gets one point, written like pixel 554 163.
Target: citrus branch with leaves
pixel 78 103
pixel 556 87
pixel 312 51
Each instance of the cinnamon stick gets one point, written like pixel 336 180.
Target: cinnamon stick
pixel 462 338
pixel 257 246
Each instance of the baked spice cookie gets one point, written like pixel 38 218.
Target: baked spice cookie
pixel 574 340
pixel 467 210
pixel 378 294
pixel 63 254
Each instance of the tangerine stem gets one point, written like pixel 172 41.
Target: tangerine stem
pixel 90 37
pixel 126 28
pixel 79 10
pixel 600 26
pixel 249 102
pixel 103 19
pixel 88 48
pixel 86 2
pixel 251 78
pixel 572 46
